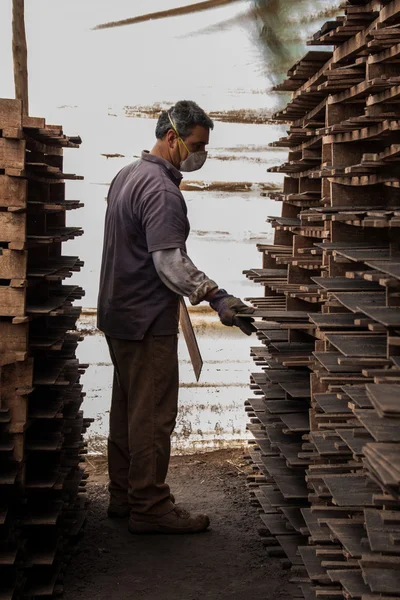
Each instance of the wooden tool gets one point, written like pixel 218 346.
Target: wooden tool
pixel 190 339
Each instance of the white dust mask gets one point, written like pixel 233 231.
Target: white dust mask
pixel 195 160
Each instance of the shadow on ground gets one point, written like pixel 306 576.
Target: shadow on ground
pixel 228 562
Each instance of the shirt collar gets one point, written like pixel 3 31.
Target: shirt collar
pixel 176 174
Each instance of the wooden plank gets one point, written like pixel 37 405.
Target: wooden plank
pixel 331 404
pixel 357 393
pixel 13 191
pixel 13 338
pixel 297 422
pixel 57 298
pixel 358 345
pixel 276 407
pixel 385 398
pixel 350 490
pixel 329 360
pixel 292 486
pixel 10 113
pixel 313 564
pixel 360 90
pixel 12 227
pixel 328 445
pixel 364 254
pixel 360 301
pixel 350 534
pixel 290 544
pixel 391 267
pixel 381 573
pixel 383 462
pixel 273 496
pixel 276 524
pixel 299 389
pixel 191 341
pixel 12 154
pixel 15 384
pixel 387 316
pixel 13 264
pixel 12 302
pixel 379 532
pixel 382 429
pixel 284 315
pixel 287 375
pixel 318 531
pixel 355 439
pixel 351 580
pixel 343 284
pixel 334 320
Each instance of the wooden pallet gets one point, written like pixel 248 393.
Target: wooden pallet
pixel 42 482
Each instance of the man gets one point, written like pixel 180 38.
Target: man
pixel 145 270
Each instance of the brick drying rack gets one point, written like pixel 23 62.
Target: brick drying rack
pixel 326 411
pixel 42 483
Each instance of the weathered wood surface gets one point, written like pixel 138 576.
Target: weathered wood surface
pixel 385 399
pixel 39 400
pixel 12 302
pixel 20 54
pixel 191 341
pixel 12 191
pixel 13 264
pixel 357 345
pixel 12 154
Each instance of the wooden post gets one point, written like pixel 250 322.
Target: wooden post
pixel 20 54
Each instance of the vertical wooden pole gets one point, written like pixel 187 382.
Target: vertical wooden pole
pixel 20 54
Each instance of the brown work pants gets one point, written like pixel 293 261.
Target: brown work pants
pixel 142 418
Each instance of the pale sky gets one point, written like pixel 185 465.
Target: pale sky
pixel 144 63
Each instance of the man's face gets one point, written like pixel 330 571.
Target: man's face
pixel 196 141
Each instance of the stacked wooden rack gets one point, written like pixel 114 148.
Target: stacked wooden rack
pixel 325 414
pixel 42 483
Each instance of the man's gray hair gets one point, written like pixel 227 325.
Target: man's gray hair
pixel 186 115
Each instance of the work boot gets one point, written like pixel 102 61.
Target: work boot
pixel 176 521
pixel 118 511
pixel 122 511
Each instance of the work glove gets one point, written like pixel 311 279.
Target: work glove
pixel 228 307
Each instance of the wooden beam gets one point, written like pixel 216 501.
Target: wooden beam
pixel 20 54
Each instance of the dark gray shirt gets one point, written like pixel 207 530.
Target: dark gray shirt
pixel 146 212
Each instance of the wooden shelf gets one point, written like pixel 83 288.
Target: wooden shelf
pixel 328 395
pixel 41 425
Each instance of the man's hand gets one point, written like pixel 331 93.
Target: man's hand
pixel 228 307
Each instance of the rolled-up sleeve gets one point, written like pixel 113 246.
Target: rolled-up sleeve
pixel 179 274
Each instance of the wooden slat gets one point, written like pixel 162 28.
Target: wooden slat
pixel 356 345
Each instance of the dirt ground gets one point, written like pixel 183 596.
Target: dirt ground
pixel 228 562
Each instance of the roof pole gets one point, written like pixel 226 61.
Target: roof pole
pixel 20 54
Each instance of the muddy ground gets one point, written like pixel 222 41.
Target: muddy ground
pixel 228 562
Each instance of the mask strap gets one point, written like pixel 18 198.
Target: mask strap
pixel 177 133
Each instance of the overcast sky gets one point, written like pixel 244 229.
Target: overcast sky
pixel 144 63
